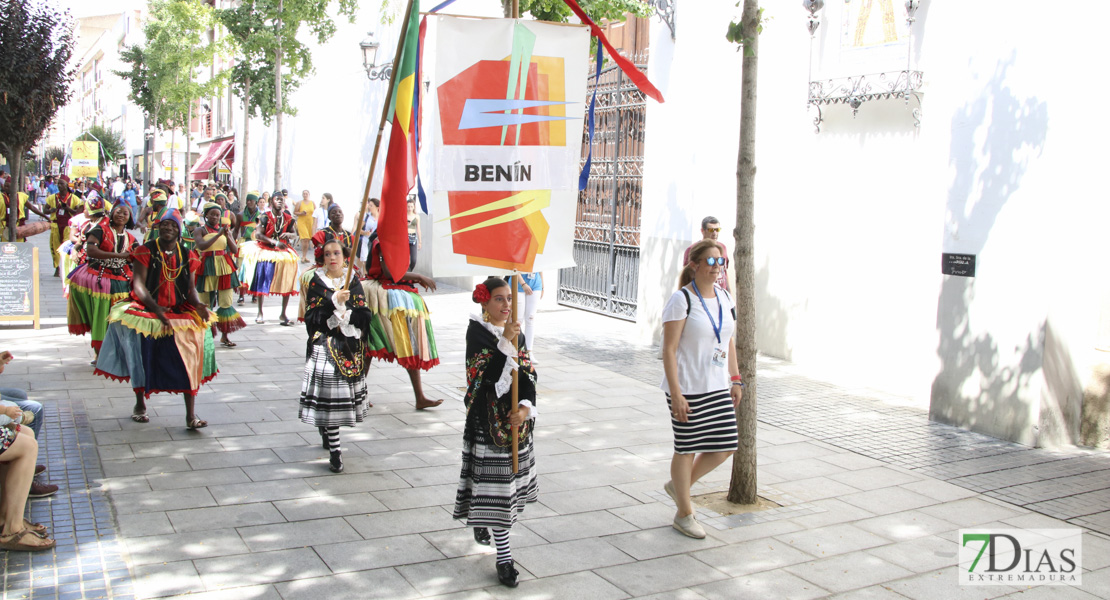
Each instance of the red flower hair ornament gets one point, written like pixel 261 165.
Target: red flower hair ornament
pixel 480 294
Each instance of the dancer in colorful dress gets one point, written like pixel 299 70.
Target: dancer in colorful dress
pixel 270 264
pixel 61 207
pixel 333 394
pixel 490 495
pixel 248 221
pixel 217 281
pixel 161 340
pixel 105 277
pixel 401 329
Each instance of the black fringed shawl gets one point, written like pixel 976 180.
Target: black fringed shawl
pixel 348 353
pixel 486 413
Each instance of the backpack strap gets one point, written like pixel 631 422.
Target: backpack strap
pixel 687 294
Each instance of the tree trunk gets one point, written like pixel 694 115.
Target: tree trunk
pixel 277 103
pixel 507 8
pixel 245 183
pixel 188 141
pixel 173 148
pixel 742 487
pixel 16 163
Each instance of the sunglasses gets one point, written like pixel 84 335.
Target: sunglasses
pixel 715 260
pixel 713 229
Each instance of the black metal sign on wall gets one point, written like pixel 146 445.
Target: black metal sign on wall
pixel 961 265
pixel 607 225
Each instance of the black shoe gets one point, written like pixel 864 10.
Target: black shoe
pixel 336 461
pixel 506 574
pixel 324 438
pixel 481 535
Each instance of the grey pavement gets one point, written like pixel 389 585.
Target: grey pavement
pixel 872 494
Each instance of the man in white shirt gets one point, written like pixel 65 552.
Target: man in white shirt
pixel 710 230
pixel 117 188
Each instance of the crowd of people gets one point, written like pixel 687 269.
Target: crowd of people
pixel 154 283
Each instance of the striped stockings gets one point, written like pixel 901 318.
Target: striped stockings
pixel 333 439
pixel 501 541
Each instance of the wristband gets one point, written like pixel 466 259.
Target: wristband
pixel 739 383
pixel 735 378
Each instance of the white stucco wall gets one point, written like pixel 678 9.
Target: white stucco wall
pixel 851 222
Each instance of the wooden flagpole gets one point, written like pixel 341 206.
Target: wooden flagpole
pixel 515 283
pixel 378 142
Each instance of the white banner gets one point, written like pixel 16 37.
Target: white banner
pixel 507 132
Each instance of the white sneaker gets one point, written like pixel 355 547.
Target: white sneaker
pixel 669 488
pixel 689 526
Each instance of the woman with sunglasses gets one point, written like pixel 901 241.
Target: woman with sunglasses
pixel 701 378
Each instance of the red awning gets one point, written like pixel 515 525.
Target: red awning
pixel 215 151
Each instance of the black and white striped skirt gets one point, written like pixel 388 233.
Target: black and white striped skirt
pixel 710 426
pixel 327 398
pixel 489 495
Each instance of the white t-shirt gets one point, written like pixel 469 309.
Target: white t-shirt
pixel 696 372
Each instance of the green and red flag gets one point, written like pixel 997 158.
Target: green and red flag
pixel 400 159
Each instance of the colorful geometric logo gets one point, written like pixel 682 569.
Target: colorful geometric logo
pixel 517 101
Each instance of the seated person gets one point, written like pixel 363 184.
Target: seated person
pixel 19 398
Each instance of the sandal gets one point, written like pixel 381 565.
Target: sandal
pixel 228 344
pixel 197 424
pixel 285 322
pixel 14 541
pixel 140 418
pixel 36 528
pixel 259 320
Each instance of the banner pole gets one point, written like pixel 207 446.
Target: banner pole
pixel 378 142
pixel 515 281
pixel 516 9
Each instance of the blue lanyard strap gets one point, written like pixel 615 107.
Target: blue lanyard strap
pixel 720 312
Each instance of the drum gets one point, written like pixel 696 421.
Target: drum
pixel 30 229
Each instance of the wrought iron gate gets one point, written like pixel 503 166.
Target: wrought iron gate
pixel 607 230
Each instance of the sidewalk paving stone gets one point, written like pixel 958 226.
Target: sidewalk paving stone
pixel 872 492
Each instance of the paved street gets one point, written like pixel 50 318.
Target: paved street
pixel 872 493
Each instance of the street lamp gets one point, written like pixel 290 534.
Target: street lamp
pixel 369 55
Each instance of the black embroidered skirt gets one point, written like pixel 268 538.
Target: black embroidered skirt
pixel 328 399
pixel 489 494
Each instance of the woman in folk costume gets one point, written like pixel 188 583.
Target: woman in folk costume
pixel 248 221
pixel 270 264
pixel 105 276
pixel 189 223
pixel 401 329
pixel 161 340
pixel 490 495
pixel 61 207
pixel 333 394
pixel 332 231
pixel 217 280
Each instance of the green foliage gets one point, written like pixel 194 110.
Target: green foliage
pixel 735 33
pixel 55 152
pixel 36 43
pixel 254 31
pixel 163 74
pixel 111 143
pixel 598 10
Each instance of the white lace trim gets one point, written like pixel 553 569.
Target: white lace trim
pixel 505 381
pixel 341 318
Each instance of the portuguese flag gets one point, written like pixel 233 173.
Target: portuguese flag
pixel 400 159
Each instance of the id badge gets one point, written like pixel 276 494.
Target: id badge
pixel 719 356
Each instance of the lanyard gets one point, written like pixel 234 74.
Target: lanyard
pixel 720 312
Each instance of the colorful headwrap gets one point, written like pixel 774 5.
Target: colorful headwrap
pixel 166 183
pixel 252 195
pixel 220 195
pixel 94 204
pixel 209 206
pixel 96 186
pixel 157 195
pixel 64 178
pixel 171 214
